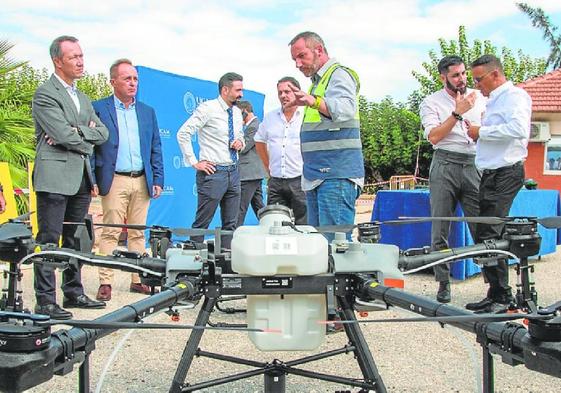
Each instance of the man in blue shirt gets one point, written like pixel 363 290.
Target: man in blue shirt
pixel 128 168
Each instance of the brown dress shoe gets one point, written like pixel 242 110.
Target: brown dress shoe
pixel 137 287
pixel 104 293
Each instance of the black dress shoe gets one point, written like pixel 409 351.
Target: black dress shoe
pixel 82 301
pixel 53 310
pixel 494 308
pixel 480 305
pixel 443 295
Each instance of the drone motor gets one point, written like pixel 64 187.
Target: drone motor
pixel 17 337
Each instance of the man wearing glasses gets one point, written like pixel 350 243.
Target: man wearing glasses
pixel 453 175
pixel 502 141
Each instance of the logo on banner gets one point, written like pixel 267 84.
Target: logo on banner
pixel 195 189
pixel 189 102
pixel 168 190
pixel 177 162
pixel 165 133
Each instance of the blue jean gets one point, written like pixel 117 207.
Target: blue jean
pixel 332 203
pixel 222 188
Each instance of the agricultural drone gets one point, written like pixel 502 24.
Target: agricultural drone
pixel 295 284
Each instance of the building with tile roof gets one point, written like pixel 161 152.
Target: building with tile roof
pixel 544 150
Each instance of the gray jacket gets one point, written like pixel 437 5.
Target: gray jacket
pixel 59 167
pixel 251 166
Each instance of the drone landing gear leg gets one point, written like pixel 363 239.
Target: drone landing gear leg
pixel 362 351
pixel 488 371
pixel 84 376
pixel 192 345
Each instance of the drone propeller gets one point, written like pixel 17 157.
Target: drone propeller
pixel 548 222
pixel 23 218
pixel 46 321
pixel 175 231
pixel 135 325
pixel 451 319
pixel 12 230
pixel 335 228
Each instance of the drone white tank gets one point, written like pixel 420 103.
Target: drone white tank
pixel 273 248
pixel 296 316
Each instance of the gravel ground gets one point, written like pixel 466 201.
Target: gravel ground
pixel 413 357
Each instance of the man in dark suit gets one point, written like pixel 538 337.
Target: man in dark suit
pixel 66 129
pixel 128 168
pixel 251 167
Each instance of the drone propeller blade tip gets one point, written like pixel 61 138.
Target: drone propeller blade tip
pixel 270 330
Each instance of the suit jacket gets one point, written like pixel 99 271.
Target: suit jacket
pixel 251 166
pixel 105 156
pixel 59 168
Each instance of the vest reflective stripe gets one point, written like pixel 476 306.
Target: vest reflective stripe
pixel 332 145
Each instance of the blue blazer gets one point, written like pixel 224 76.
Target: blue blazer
pixel 105 155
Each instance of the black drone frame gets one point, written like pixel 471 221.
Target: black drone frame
pixel 538 347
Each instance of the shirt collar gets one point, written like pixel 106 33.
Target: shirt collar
pixel 223 103
pixel 66 85
pixel 497 92
pixel 119 104
pixel 323 69
pixel 297 112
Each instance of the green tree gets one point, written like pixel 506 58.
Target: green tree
pixel 540 20
pixel 16 125
pixel 390 138
pixel 95 86
pixel 517 68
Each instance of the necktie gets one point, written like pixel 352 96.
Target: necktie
pixel 233 153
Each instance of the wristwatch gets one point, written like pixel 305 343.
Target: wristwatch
pixel 457 116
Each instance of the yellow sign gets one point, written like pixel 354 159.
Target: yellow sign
pixel 32 200
pixel 6 181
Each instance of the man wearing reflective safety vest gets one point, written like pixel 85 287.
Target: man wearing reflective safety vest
pixel 333 173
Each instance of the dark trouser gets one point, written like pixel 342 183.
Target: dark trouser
pixel 453 178
pixel 496 194
pixel 288 192
pixel 220 188
pixel 52 211
pixel 251 193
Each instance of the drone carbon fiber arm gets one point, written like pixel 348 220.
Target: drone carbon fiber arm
pixel 126 261
pixel 411 259
pixel 21 371
pixel 538 347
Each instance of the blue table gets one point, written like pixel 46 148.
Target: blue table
pixel 389 205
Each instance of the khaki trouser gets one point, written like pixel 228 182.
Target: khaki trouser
pixel 127 198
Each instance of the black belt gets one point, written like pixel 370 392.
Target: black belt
pixel 131 173
pixel 517 164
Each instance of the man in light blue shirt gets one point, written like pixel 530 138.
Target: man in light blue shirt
pixel 129 168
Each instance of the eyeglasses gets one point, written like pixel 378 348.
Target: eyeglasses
pixel 479 79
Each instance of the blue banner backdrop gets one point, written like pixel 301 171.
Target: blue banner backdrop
pixel 174 98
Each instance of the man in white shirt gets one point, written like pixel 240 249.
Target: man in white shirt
pixel 502 147
pixel 220 136
pixel 453 175
pixel 278 144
